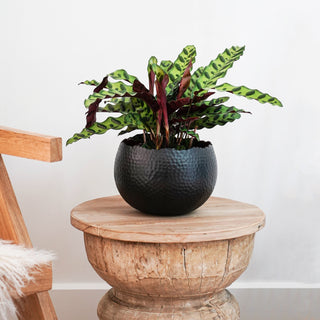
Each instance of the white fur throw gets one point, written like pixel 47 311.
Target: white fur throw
pixel 16 262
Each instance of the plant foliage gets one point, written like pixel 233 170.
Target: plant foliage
pixel 176 104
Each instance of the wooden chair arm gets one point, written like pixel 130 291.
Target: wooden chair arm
pixel 42 281
pixel 30 145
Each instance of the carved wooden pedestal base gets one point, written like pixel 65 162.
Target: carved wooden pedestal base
pixel 115 306
pixel 165 268
pixel 158 281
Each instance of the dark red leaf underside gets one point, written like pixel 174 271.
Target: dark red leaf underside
pixel 151 81
pixel 93 108
pixel 185 81
pixel 103 83
pixel 184 111
pixel 177 104
pixel 162 102
pixel 184 120
pixel 91 114
pixel 197 98
pixel 144 94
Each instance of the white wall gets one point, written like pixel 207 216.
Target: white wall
pixel 271 159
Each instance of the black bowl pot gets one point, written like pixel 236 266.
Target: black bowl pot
pixel 167 181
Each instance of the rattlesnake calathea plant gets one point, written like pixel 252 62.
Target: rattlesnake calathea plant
pixel 166 170
pixel 176 104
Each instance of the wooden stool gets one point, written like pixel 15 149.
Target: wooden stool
pixel 168 267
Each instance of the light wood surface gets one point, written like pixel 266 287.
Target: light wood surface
pixel 11 220
pixel 222 306
pixel 42 281
pixel 30 145
pixel 160 281
pixel 36 305
pixel 217 219
pixel 169 269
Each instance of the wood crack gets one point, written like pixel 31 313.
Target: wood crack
pixel 185 266
pixel 184 260
pixel 228 260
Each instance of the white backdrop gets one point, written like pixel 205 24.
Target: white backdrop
pixel 270 158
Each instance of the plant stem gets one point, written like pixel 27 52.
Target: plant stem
pixel 158 146
pixel 191 140
pixel 153 137
pixel 144 137
pixel 180 138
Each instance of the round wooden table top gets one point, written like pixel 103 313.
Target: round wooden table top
pixel 218 219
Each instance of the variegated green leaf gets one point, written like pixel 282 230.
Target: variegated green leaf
pixel 152 60
pixel 113 89
pixel 151 75
pixel 90 83
pixel 249 93
pixel 216 117
pixel 119 88
pixel 122 74
pixel 213 102
pixel 159 72
pixel 210 103
pixel 123 105
pixel 127 130
pixel 166 65
pixel 132 119
pixel 215 120
pixel 100 128
pixel 217 68
pixel 176 71
pixel 132 105
pixel 215 110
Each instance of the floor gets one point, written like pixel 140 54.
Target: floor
pixel 255 304
pixel 278 304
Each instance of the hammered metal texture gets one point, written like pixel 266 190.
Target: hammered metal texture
pixel 165 181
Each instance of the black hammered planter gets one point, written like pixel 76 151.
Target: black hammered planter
pixel 166 181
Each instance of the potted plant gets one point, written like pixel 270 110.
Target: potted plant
pixel 167 169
